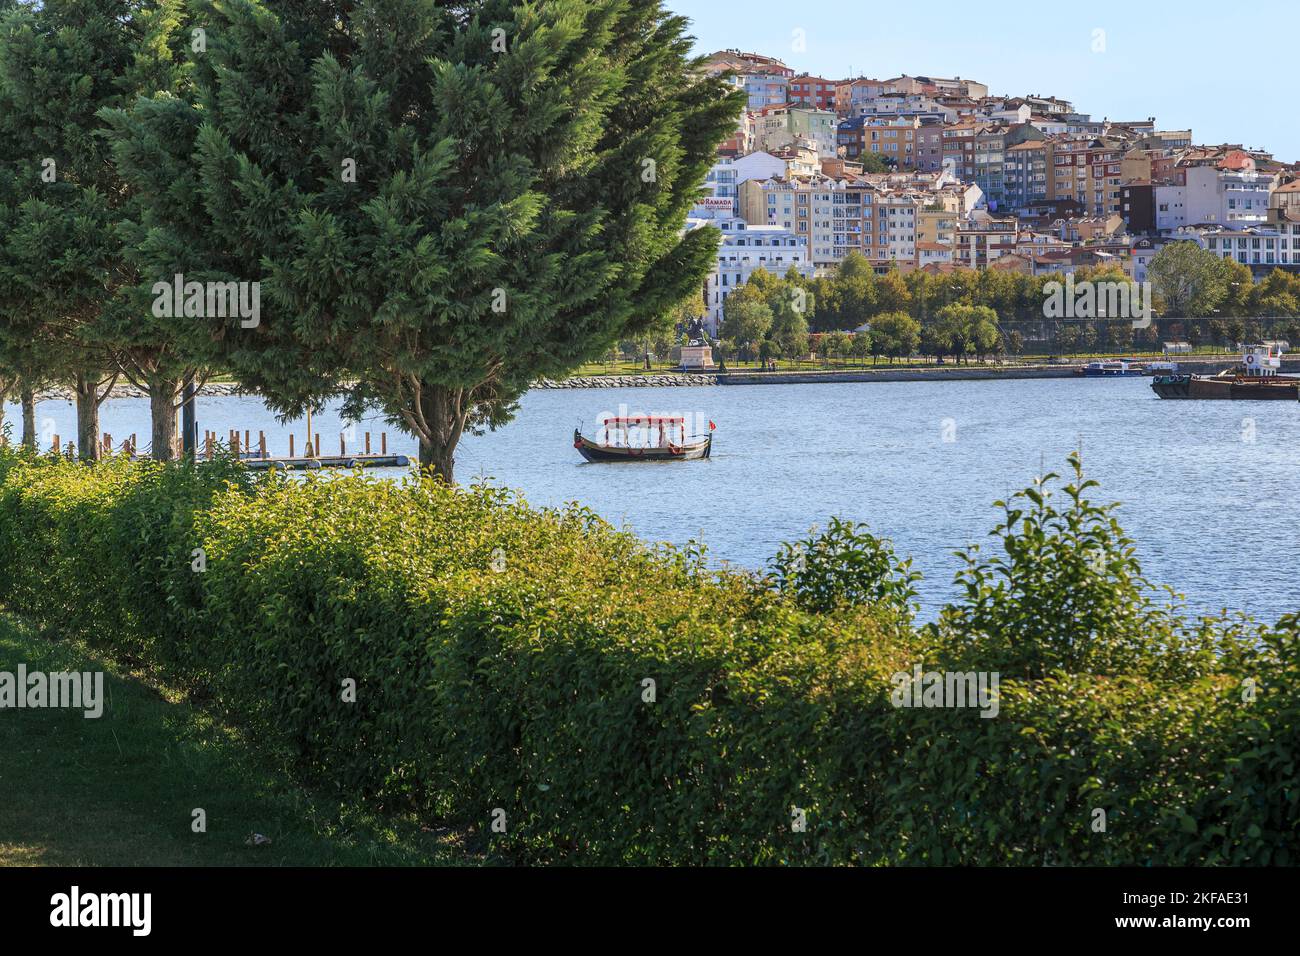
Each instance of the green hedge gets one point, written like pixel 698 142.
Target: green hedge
pixel 522 688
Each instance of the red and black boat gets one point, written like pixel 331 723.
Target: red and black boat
pixel 647 438
pixel 1257 378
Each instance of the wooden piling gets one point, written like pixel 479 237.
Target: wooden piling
pixel 367 443
pixel 383 443
pixel 261 443
pixel 291 455
pixel 318 444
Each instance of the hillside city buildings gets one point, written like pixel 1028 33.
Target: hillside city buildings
pixel 934 173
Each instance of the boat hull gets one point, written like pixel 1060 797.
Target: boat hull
pixel 1226 388
pixel 604 454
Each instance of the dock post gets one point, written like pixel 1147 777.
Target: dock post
pixel 261 443
pixel 318 444
pixel 343 448
pixel 367 443
pixel 291 444
pixel 247 444
pixel 383 443
pixel 234 445
pixel 132 444
pixel 58 446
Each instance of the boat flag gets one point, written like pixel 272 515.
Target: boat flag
pixel 712 427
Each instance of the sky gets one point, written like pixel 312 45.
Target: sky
pixel 1223 70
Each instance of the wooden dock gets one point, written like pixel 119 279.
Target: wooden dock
pixel 256 457
pixel 315 464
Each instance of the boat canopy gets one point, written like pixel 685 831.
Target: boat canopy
pixel 647 420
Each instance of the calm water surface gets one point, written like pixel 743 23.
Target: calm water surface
pixel 1209 489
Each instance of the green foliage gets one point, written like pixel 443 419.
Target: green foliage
pixel 443 202
pixel 845 566
pixel 895 334
pixel 522 688
pixel 1189 280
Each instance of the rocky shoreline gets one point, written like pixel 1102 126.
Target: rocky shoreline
pixel 882 373
pixel 629 381
pixel 64 394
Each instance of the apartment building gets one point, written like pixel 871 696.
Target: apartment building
pixel 1088 171
pixel 955 87
pixel 990 157
pixel 852 95
pixel 765 90
pixel 958 147
pixel 835 217
pixel 736 61
pixel 722 183
pixel 850 136
pixel 1026 172
pixel 929 145
pixel 744 249
pixel 893 137
pixel 779 126
pixel 1216 190
pixel 1262 247
pixel 897 225
pixel 1232 191
pixel 813 91
pixel 982 238
pixel 1138 205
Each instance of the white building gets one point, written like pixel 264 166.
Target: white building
pixel 1171 207
pixel 1257 246
pixel 745 249
pixel 1227 196
pixel 725 178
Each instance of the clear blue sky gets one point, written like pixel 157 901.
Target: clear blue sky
pixel 1222 69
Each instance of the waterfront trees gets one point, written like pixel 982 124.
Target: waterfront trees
pixel 59 63
pixel 747 321
pixel 895 334
pixel 445 202
pixel 1190 280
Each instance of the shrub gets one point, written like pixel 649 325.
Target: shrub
pixel 501 657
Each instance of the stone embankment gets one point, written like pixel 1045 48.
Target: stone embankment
pixel 881 373
pixel 630 381
pixel 127 390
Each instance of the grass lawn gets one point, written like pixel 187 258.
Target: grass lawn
pixel 120 790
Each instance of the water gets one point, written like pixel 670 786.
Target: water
pixel 1209 489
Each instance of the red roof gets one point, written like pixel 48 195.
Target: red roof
pixel 644 420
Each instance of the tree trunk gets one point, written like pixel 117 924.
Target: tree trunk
pixel 28 396
pixel 442 414
pixel 87 390
pixel 440 458
pixel 162 410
